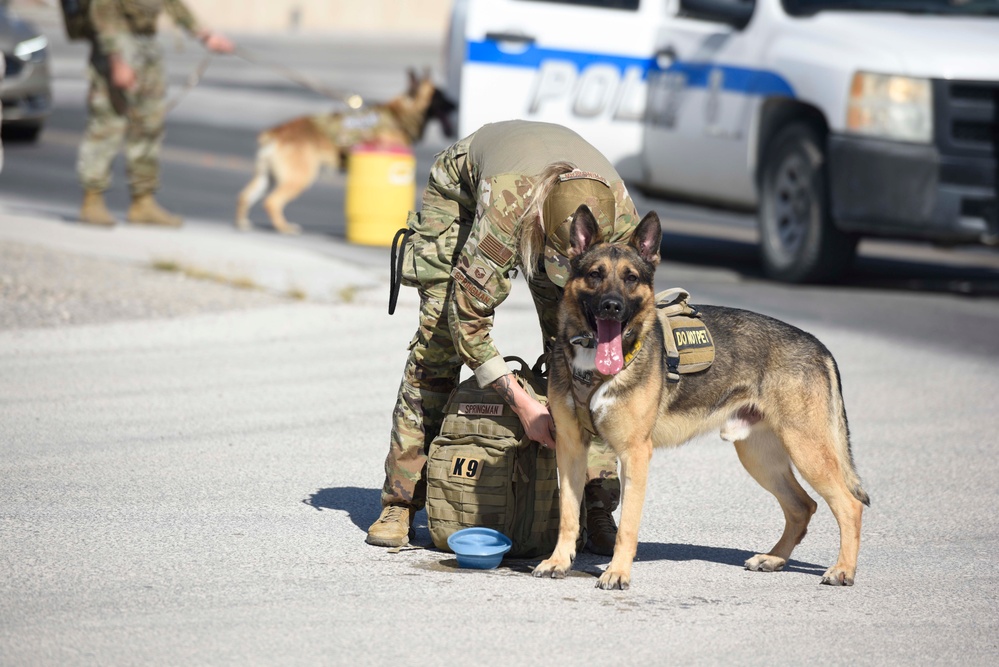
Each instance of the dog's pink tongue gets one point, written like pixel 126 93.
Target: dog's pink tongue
pixel 610 356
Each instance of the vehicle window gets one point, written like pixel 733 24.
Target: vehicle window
pixel 970 7
pixel 735 12
pixel 607 4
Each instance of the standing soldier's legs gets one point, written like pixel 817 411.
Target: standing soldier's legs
pixel 433 366
pixel 144 138
pixel 603 487
pixel 106 122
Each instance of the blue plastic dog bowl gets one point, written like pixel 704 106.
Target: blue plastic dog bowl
pixel 479 548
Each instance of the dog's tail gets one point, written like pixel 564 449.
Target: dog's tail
pixel 841 428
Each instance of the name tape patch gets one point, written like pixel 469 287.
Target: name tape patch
pixel 465 467
pixel 481 409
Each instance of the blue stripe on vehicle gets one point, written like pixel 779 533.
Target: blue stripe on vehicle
pixel 736 79
pixel 488 52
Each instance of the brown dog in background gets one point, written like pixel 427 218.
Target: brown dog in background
pixel 291 155
pixel 773 390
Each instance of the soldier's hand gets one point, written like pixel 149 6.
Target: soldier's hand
pixel 537 421
pixel 122 74
pixel 539 425
pixel 217 42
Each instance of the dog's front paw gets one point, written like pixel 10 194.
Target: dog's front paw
pixel 552 568
pixel 838 576
pixel 291 229
pixel 613 580
pixel 765 563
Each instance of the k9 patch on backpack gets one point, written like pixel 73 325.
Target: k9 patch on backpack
pixel 483 471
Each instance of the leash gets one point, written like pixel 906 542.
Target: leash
pixel 352 100
pixel 193 79
pixel 396 257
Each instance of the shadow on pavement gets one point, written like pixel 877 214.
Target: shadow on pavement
pixel 361 505
pixel 681 552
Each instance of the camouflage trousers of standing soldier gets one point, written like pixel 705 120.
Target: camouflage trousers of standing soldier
pixel 433 367
pixel 135 117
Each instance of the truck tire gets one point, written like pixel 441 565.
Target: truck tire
pixel 798 241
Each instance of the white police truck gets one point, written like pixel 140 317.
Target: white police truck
pixel 834 119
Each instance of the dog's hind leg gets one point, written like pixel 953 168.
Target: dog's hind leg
pixel 765 458
pixel 294 172
pixel 570 454
pixel 255 189
pixel 815 456
pixel 276 201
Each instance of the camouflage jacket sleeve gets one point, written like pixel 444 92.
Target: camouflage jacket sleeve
pixel 482 274
pixel 181 15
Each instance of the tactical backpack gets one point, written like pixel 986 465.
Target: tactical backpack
pixel 482 470
pixel 76 15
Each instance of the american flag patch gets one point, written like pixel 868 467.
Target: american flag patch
pixel 494 250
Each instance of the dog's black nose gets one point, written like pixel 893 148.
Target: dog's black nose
pixel 611 308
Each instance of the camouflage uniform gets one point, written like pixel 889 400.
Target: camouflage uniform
pixel 127 28
pixel 465 245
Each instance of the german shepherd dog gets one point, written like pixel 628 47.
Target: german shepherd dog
pixel 291 155
pixel 773 390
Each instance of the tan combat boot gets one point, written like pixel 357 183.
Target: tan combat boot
pixel 94 211
pixel 601 531
pixel 145 211
pixel 394 527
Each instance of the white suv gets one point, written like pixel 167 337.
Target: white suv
pixel 833 118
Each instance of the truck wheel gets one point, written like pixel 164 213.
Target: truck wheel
pixel 798 240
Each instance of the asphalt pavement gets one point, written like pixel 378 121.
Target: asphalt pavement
pixel 193 425
pixel 195 489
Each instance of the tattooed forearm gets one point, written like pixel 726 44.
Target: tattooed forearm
pixel 504 387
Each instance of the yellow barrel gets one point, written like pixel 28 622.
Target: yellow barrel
pixel 381 190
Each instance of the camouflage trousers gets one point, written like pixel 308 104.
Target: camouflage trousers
pixel 135 117
pixel 433 367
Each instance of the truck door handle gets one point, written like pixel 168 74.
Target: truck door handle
pixel 510 37
pixel 665 57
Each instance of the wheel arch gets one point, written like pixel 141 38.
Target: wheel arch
pixel 775 114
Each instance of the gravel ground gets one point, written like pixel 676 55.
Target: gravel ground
pixel 45 288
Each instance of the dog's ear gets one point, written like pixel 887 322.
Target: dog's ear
pixel 583 231
pixel 414 82
pixel 647 238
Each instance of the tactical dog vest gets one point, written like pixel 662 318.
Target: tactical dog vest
pixel 689 348
pixel 482 470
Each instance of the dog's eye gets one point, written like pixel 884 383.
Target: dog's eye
pixel 594 275
pixel 631 279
